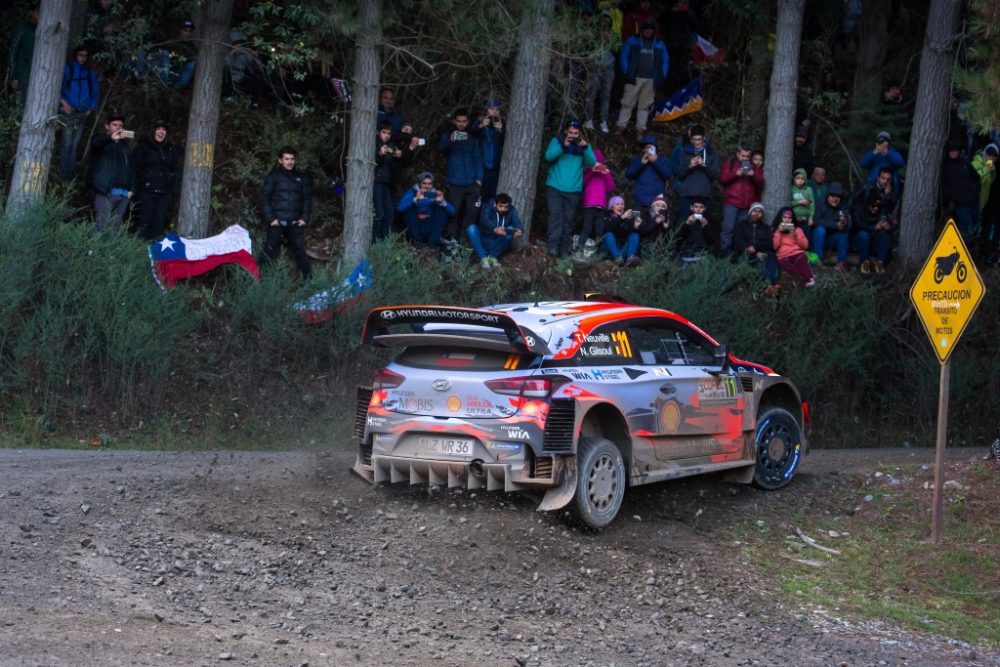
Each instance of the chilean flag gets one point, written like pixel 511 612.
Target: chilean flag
pixel 174 257
pixel 703 51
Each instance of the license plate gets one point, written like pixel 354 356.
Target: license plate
pixel 446 446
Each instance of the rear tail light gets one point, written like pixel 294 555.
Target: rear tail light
pixel 523 386
pixel 386 379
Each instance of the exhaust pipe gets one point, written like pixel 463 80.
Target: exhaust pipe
pixel 476 469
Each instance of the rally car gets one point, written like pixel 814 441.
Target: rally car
pixel 576 399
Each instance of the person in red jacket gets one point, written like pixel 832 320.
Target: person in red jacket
pixel 790 245
pixel 740 184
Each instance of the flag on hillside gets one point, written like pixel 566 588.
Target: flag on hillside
pixel 324 305
pixel 684 101
pixel 174 257
pixel 703 51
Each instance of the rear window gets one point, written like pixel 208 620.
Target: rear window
pixel 463 359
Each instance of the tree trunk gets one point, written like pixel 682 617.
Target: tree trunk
pixel 34 145
pixel 203 121
pixel 760 63
pixel 526 120
pixel 781 106
pixel 930 124
pixel 358 217
pixel 873 44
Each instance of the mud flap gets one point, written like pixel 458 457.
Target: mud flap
pixel 558 497
pixel 740 475
pixel 363 472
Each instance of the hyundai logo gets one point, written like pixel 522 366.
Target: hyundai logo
pixel 441 385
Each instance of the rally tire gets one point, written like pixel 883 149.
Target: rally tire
pixel 600 483
pixel 777 448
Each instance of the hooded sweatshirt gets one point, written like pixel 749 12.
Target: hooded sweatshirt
pixel 694 181
pixel 801 195
pixel 597 186
pixel 650 178
pixel 986 177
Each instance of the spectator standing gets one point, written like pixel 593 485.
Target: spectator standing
pixel 635 20
pixel 387 110
pixel 617 18
pixel 622 233
pixel 499 226
pixel 158 167
pixel 649 172
pixel 490 132
pixel 464 172
pixel 426 212
pixel 757 162
pixel 985 165
pixel 960 184
pixel 802 199
pixel 740 184
pixel 833 225
pixel 802 155
pixel 817 183
pixel 692 231
pixel 883 156
pixel 22 46
pixel 696 167
pixel 77 100
pixel 645 63
pixel 790 245
pixel 244 73
pixel 602 74
pixel 286 203
pixel 754 240
pixel 567 156
pixel 386 155
pixel 112 174
pixel 871 231
pixel 598 184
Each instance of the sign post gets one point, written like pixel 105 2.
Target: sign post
pixel 946 293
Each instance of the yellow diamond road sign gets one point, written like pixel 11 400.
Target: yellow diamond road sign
pixel 947 291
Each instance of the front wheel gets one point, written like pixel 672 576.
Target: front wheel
pixel 962 272
pixel 938 274
pixel 779 447
pixel 600 483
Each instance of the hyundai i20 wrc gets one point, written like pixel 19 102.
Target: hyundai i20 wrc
pixel 576 399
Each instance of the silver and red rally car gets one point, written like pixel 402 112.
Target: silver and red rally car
pixel 577 399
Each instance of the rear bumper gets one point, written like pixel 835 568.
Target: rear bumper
pixel 456 474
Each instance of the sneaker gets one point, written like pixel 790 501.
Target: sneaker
pixel 772 290
pixel 811 282
pixel 485 264
pixel 588 125
pixel 494 262
pixel 866 266
pixel 620 261
pixel 879 266
pixel 604 126
pixel 632 261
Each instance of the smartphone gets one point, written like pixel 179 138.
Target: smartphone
pixel 128 134
pixel 745 165
pixel 421 141
pixel 460 136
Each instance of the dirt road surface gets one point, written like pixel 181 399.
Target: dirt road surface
pixel 150 558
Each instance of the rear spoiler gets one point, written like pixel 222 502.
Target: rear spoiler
pixel 376 330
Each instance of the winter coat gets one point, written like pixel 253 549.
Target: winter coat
pixel 875 162
pixel 861 218
pixel 384 163
pixel 490 145
pixel 158 166
pixel 986 177
pixel 826 216
pixel 566 165
pixel 464 161
pixel 286 195
pixel 424 206
pixel 628 60
pixel 112 165
pixel 789 244
pixel 739 190
pixel 960 182
pixel 392 117
pixel 650 178
pixel 694 181
pixel 80 88
pixel 759 235
pixel 622 227
pixel 597 186
pixel 490 219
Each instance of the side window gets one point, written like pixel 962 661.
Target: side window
pixel 607 345
pixel 665 343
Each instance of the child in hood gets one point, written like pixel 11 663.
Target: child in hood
pixel 803 205
pixel 598 184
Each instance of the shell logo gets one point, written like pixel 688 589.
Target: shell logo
pixel 670 417
pixel 454 403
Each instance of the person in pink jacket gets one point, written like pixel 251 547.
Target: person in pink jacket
pixel 598 184
pixel 790 245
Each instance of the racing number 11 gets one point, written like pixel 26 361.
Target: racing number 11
pixel 622 346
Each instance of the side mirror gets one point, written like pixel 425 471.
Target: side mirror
pixel 721 358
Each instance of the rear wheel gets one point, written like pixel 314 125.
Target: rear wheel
pixel 600 482
pixel 779 448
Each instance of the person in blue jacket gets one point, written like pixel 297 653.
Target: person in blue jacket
pixel 882 156
pixel 490 132
pixel 77 100
pixel 649 171
pixel 645 63
pixel 425 211
pixel 499 226
pixel 464 172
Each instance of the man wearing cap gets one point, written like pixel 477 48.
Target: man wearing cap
pixel 489 131
pixel 740 184
pixel 802 155
pixel 832 225
pixel 77 100
pixel 112 174
pixel 286 205
pixel 881 156
pixel 645 63
pixel 960 186
pixel 754 239
pixel 566 156
pixel 184 57
pixel 649 172
pixel 425 211
pixel 158 167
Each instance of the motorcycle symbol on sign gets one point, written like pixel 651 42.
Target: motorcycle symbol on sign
pixel 943 266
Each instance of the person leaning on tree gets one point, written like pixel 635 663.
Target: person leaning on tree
pixel 158 166
pixel 286 204
pixel 112 174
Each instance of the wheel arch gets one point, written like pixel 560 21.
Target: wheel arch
pixel 782 395
pixel 604 420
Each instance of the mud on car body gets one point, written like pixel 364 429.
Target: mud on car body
pixel 576 399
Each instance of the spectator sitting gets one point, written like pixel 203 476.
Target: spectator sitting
pixel 870 228
pixel 960 184
pixel 790 245
pixel 386 154
pixel 817 183
pixel 499 226
pixel 740 184
pixel 696 166
pixel 489 131
pixel 158 167
pixel 567 156
pixel 833 225
pixel 426 212
pixel 802 155
pixel 754 239
pixel 802 202
pixel 112 174
pixel 757 161
pixel 621 233
pixel 692 231
pixel 883 156
pixel 598 184
pixel 464 171
pixel 649 171
pixel 656 220
pixel 645 63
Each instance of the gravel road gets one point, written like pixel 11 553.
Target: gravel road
pixel 152 558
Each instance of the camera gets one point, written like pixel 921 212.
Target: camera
pixel 651 149
pixel 697 216
pixel 786 227
pixel 421 141
pixel 128 134
pixel 431 194
pixel 460 136
pixel 745 165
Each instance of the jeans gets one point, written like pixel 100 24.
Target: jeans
pixel 178 74
pixel 865 242
pixel 72 132
pixel 968 219
pixel 487 245
pixel 562 210
pixel 823 238
pixel 628 249
pixel 295 236
pixel 768 266
pixel 426 231
pixel 601 82
pixel 730 214
pixel 109 211
pixel 383 210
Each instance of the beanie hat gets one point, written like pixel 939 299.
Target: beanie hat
pixel 756 206
pixel 424 175
pixel 115 116
pixel 659 198
pixel 835 189
pixel 615 200
pixel 158 123
pixel 883 136
pixel 187 23
pixel 801 131
pixel 492 102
